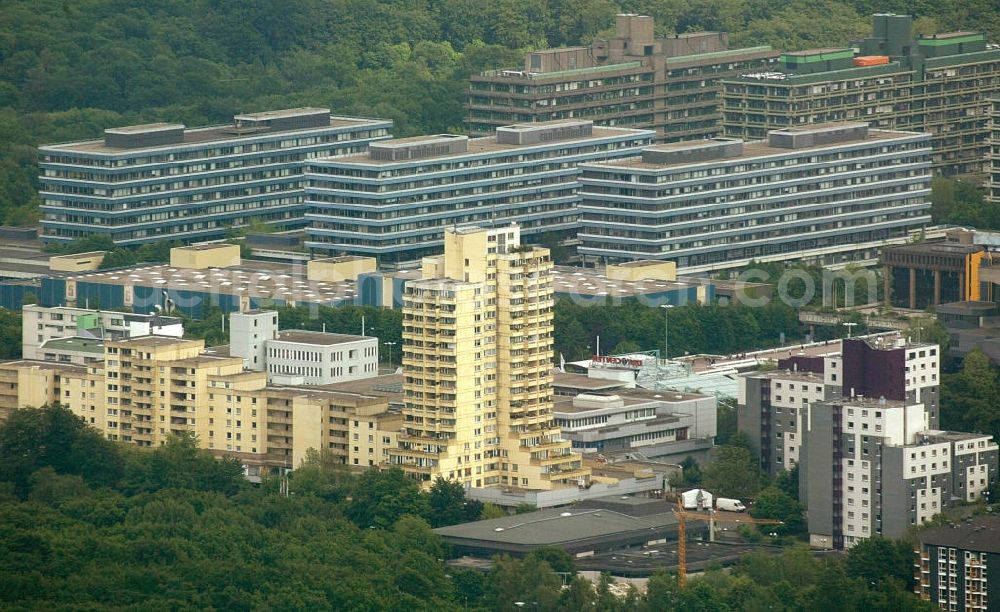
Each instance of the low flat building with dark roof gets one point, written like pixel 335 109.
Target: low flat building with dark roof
pixel 580 532
pixel 957 566
pixel 162 181
pixel 829 193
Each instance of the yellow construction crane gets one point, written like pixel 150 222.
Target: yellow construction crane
pixel 713 517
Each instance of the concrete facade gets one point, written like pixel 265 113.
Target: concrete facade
pixel 300 357
pixel 635 79
pixel 396 201
pixel 774 407
pixel 939 84
pixel 870 467
pixel 827 193
pixel 993 181
pixel 150 183
pixel 957 566
pixel 666 426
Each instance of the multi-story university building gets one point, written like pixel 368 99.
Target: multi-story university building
pixel 477 351
pixel 831 193
pixel 148 388
pixel 395 201
pixel 41 325
pixel 938 84
pixel 148 183
pixel 636 80
pixel 298 356
pixel 993 182
pixel 862 428
pixel 958 565
pixel 667 426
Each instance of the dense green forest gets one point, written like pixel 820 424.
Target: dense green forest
pixel 90 524
pixel 70 69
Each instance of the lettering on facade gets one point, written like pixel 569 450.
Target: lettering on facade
pixel 615 362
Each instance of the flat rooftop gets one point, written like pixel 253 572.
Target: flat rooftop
pixel 955 436
pixel 319 338
pixel 145 128
pixel 83 345
pixel 389 385
pixel 283 113
pixel 630 397
pixel 257 279
pixel 751 149
pixel 216 133
pixel 555 527
pixel 204 359
pixel 584 382
pixel 978 533
pixel 154 341
pixel 799 375
pixel 818 51
pixel 935 248
pixel 476 146
pixel 593 282
pixel 45 365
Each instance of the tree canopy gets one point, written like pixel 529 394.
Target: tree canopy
pixel 70 69
pixel 111 527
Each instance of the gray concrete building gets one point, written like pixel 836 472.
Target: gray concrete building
pixel 938 83
pixel 774 407
pixel 395 201
pixel 829 193
pixel 993 156
pixel 869 467
pixel 957 566
pixel 163 181
pixel 634 79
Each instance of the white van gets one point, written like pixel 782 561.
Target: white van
pixel 729 505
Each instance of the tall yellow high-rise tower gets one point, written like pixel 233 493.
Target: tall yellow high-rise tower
pixel 477 335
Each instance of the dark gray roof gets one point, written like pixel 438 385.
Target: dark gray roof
pixel 555 527
pixel 980 534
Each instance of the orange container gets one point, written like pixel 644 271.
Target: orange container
pixel 871 60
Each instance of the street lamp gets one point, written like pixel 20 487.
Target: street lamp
pixel 849 327
pixel 666 331
pixel 390 345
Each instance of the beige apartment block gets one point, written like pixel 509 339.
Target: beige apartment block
pixel 477 335
pixel 149 388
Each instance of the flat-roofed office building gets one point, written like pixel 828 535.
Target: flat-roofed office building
pixel 830 193
pixel 634 79
pixel 395 201
pixel 939 83
pixel 162 181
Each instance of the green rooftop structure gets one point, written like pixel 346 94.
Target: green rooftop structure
pixel 940 84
